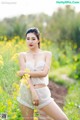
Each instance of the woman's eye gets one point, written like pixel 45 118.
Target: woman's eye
pixel 30 38
pixel 27 38
pixel 33 39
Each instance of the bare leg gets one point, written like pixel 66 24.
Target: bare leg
pixel 43 116
pixel 27 113
pixel 54 111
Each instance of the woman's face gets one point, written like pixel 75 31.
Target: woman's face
pixel 32 40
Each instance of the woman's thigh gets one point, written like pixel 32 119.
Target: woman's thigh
pixel 53 110
pixel 27 113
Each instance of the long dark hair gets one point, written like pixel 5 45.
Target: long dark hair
pixel 36 32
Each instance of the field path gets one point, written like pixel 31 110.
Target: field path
pixel 58 92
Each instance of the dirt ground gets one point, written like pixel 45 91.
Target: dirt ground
pixel 58 92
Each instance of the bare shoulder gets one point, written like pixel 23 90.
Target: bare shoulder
pixel 48 53
pixel 22 55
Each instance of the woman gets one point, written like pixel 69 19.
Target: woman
pixel 38 61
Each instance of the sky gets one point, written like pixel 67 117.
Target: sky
pixel 10 8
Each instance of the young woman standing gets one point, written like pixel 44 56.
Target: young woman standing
pixel 38 61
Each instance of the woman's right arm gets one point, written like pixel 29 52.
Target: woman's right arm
pixel 22 60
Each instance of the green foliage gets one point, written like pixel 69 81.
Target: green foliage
pixel 9 82
pixel 76 67
pixel 72 105
pixel 17 26
pixel 62 27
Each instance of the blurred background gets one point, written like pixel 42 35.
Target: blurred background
pixel 59 25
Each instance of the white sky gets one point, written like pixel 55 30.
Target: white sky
pixel 10 8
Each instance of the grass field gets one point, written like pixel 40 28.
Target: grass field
pixel 9 81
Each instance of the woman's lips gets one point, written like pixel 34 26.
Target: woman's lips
pixel 30 45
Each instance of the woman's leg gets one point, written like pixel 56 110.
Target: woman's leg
pixel 54 111
pixel 27 112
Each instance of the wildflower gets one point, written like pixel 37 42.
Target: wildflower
pixel 36 114
pixel 25 81
pixel 5 38
pixel 8 45
pixel 9 102
pixel 28 86
pixel 25 78
pixel 35 118
pixel 14 116
pixel 15 86
pixel 17 73
pixel 75 58
pixel 1 58
pixel 35 110
pixel 1 90
pixel 1 63
pixel 14 57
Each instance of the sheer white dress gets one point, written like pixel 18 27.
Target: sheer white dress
pixel 44 93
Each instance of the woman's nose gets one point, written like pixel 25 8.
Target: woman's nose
pixel 30 41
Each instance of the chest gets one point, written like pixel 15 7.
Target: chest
pixel 35 60
pixel 39 65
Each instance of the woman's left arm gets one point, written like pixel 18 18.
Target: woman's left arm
pixel 45 71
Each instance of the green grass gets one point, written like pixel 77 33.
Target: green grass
pixel 56 75
pixel 72 105
pixel 8 78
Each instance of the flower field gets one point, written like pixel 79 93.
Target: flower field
pixel 9 81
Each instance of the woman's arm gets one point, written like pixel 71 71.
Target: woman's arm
pixel 21 58
pixel 22 68
pixel 41 73
pixel 45 71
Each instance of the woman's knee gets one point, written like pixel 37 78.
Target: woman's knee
pixel 27 113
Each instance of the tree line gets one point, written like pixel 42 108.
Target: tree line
pixel 62 27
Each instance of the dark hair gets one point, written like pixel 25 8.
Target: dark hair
pixel 36 32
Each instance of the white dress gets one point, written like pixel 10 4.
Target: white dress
pixel 43 93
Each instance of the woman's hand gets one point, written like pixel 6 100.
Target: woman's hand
pixel 20 73
pixel 35 98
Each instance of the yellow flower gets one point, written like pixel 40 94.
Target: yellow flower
pixel 27 70
pixel 14 116
pixel 35 110
pixel 1 63
pixel 15 86
pixel 17 73
pixel 5 38
pixel 24 81
pixel 28 86
pixel 1 58
pixel 25 78
pixel 35 118
pixel 8 45
pixel 9 102
pixel 1 90
pixel 27 75
pixel 14 57
pixel 36 114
